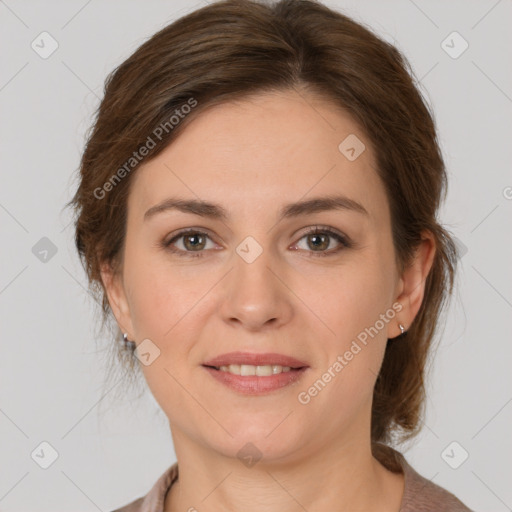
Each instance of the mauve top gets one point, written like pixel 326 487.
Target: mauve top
pixel 420 494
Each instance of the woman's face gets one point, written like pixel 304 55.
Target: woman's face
pixel 256 281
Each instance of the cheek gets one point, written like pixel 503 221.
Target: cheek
pixel 355 304
pixel 352 298
pixel 164 309
pixel 159 296
pixel 344 381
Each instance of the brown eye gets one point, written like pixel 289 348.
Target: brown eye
pixel 319 240
pixel 194 241
pixel 188 242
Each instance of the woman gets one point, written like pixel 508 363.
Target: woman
pixel 257 209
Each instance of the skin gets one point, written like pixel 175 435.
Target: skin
pixel 252 157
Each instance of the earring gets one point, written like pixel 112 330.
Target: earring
pixel 127 344
pixel 401 328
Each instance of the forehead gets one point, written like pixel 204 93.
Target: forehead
pixel 255 154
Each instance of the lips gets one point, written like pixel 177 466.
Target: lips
pixel 253 359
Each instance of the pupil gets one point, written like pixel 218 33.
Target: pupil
pixel 190 237
pixel 316 236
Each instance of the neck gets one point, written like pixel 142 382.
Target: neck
pixel 345 477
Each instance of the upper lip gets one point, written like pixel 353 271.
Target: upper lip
pixel 255 360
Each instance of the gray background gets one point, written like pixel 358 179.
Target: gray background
pixel 51 369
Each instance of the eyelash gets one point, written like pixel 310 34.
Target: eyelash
pixel 343 240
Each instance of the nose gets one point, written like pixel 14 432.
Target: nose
pixel 257 296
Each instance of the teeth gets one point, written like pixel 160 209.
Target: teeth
pixel 248 369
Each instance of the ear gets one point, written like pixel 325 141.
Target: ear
pixel 114 287
pixel 413 279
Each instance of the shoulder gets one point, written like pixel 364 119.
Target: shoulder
pixel 153 501
pixel 423 495
pixel 134 506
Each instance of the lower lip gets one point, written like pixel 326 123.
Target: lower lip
pixel 253 384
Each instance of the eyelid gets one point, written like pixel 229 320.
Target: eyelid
pixel 342 239
pixel 186 231
pixel 318 228
pixel 168 242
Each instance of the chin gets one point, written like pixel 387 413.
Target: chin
pixel 258 440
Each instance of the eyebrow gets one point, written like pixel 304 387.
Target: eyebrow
pixel 218 212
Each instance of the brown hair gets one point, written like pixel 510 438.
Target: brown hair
pixel 233 48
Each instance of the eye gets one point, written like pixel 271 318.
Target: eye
pixel 192 241
pixel 319 238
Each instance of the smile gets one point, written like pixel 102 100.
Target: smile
pixel 255 380
pixel 249 369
